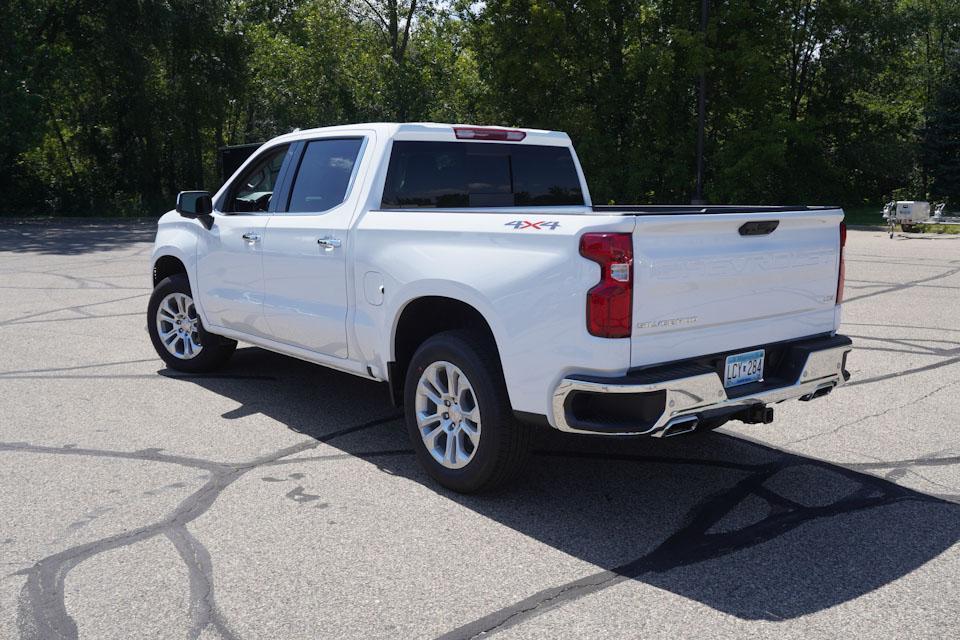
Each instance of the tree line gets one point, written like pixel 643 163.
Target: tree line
pixel 112 106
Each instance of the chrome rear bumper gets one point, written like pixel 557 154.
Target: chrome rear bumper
pixel 816 373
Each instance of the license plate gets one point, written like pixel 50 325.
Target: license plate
pixel 743 368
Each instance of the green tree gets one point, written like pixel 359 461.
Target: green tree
pixel 618 75
pixel 942 136
pixel 21 109
pixel 129 93
pixel 113 105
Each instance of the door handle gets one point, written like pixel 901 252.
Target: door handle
pixel 328 243
pixel 251 237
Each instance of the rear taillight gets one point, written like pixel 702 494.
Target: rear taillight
pixel 842 274
pixel 610 303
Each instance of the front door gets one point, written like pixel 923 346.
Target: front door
pixel 229 254
pixel 305 248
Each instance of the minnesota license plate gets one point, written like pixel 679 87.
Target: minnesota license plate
pixel 743 368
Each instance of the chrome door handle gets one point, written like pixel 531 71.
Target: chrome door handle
pixel 329 243
pixel 251 237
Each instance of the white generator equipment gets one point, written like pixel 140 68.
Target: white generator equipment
pixel 906 213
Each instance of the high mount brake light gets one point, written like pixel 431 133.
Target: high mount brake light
pixel 610 303
pixel 842 275
pixel 484 133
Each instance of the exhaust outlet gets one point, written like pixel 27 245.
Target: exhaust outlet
pixel 678 426
pixel 822 391
pixel 819 392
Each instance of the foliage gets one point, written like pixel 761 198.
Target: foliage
pixel 942 136
pixel 113 106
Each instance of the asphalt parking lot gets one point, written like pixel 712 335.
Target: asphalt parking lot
pixel 277 499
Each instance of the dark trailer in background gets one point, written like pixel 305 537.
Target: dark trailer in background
pixel 229 159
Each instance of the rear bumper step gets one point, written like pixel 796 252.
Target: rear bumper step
pixel 672 399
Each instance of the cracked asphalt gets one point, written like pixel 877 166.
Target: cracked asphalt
pixel 276 499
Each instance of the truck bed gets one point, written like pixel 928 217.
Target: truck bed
pixel 689 209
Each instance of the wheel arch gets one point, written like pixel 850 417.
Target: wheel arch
pixel 175 253
pixel 167 265
pixel 426 316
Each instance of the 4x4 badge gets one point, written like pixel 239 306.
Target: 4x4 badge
pixel 539 226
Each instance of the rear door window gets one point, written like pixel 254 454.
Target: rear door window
pixel 324 175
pixel 477 174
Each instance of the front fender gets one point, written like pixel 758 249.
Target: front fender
pixel 177 238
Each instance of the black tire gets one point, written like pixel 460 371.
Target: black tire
pixel 503 443
pixel 216 350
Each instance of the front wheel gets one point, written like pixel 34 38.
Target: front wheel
pixel 458 414
pixel 178 334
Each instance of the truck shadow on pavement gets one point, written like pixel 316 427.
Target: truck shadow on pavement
pixel 743 528
pixel 74 236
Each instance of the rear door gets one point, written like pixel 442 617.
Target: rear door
pixel 305 247
pixel 708 283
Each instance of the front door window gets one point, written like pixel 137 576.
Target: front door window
pixel 253 191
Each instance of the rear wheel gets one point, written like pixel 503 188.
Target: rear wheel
pixel 459 417
pixel 177 332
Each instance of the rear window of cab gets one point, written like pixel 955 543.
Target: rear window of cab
pixel 474 174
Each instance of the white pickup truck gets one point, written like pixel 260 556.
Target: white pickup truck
pixel 467 268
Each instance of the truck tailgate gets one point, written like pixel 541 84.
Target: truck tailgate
pixel 701 287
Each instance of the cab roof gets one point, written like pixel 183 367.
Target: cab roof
pixel 433 131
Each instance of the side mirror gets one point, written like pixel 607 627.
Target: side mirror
pixel 196 204
pixel 193 204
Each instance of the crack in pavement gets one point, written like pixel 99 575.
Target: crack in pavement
pixel 923 461
pixel 913 344
pixel 919 475
pixel 75 368
pixel 845 425
pixel 135 376
pixel 905 285
pixel 693 543
pixel 82 282
pixel 904 467
pixel 905 263
pixel 42 613
pixel 117 288
pixel 204 612
pixel 362 455
pixel 887 350
pixel 872 284
pixel 906 372
pixel 84 316
pixel 148 455
pixel 898 326
pixel 74 308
